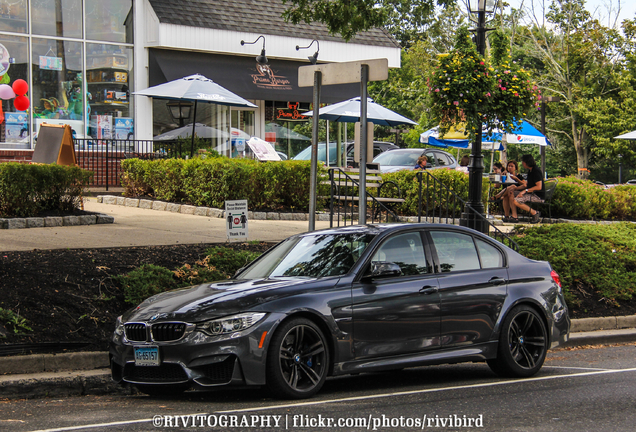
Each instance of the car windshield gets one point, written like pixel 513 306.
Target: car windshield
pixel 395 158
pixel 313 256
pixel 306 153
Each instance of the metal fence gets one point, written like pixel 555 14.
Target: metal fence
pixel 103 156
pixel 437 203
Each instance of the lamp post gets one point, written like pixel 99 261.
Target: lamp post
pixel 620 169
pixel 469 218
pixel 543 108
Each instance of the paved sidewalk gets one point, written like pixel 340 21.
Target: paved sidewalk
pixel 135 226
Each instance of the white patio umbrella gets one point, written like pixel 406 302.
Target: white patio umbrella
pixel 195 88
pixel 201 130
pixel 628 136
pixel 349 111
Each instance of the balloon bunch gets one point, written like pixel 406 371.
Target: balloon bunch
pixel 17 91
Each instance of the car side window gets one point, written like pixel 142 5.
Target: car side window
pixel 431 159
pixel 443 159
pixel 405 250
pixel 376 151
pixel 490 256
pixel 456 251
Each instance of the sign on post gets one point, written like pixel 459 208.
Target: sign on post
pixel 236 219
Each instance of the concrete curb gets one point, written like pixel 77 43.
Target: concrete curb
pixel 84 373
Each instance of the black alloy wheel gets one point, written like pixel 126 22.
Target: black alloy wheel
pixel 523 344
pixel 297 360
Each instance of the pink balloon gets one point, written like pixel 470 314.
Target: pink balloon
pixel 6 92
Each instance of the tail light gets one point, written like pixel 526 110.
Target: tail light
pixel 556 278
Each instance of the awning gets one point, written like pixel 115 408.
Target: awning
pixel 277 81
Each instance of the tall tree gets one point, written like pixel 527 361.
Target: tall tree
pixel 349 17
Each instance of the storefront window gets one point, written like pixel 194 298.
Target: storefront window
pixel 13 16
pixel 108 77
pixel 57 18
pixel 57 88
pixel 109 21
pixel 14 131
pixel 286 127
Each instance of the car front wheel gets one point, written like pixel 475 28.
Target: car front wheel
pixel 297 360
pixel 523 344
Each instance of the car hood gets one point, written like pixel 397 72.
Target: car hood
pixel 216 299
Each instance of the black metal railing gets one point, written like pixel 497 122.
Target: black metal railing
pixel 344 200
pixel 443 205
pixel 103 156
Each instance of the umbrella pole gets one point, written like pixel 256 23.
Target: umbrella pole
pixel 194 125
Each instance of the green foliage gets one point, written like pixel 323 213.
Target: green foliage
pixel 145 281
pixel 211 182
pixel 349 17
pixel 228 261
pixel 29 189
pixel 14 320
pixel 588 258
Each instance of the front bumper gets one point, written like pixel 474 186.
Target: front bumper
pixel 199 360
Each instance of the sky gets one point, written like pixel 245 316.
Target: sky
pixel 599 8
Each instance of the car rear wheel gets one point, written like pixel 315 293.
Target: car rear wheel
pixel 297 360
pixel 523 344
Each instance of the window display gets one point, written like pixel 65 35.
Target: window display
pixel 108 70
pixel 58 87
pixel 13 66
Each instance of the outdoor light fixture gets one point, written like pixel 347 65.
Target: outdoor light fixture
pixel 180 110
pixel 314 58
pixel 487 6
pixel 260 59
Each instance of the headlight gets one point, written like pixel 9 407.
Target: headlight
pixel 119 326
pixel 231 324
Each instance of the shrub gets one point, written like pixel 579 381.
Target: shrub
pixel 27 190
pixel 597 258
pixel 148 280
pixel 212 181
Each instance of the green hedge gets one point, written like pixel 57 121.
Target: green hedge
pixel 592 260
pixel 210 182
pixel 28 190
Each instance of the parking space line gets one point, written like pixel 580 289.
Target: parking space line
pixel 433 390
pixel 574 367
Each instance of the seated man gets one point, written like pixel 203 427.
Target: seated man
pixel 421 163
pixel 532 191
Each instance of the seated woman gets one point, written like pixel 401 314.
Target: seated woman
pixel 463 164
pixel 508 194
pixel 421 163
pixel 497 168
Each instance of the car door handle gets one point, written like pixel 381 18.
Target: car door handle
pixel 428 289
pixel 497 281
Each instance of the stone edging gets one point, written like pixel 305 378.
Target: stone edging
pixel 202 211
pixel 55 221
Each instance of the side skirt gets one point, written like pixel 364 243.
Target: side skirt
pixel 481 352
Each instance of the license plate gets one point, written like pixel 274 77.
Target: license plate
pixel 147 356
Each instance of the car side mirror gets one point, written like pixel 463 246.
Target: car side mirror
pixel 380 269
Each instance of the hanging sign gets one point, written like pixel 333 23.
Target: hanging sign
pixel 51 63
pixel 236 219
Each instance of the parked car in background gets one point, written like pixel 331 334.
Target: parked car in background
pixel 348 149
pixel 631 182
pixel 365 298
pixel 400 159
